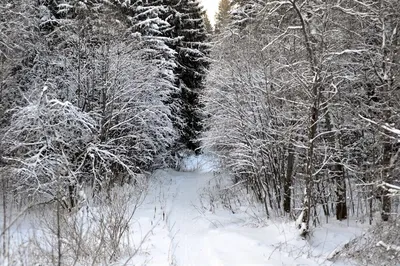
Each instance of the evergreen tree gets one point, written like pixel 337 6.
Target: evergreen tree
pixel 223 16
pixel 207 24
pixel 149 22
pixel 157 41
pixel 192 63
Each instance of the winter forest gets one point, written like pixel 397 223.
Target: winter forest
pixel 144 132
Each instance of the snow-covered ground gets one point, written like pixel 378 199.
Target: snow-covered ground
pixel 190 234
pixel 175 225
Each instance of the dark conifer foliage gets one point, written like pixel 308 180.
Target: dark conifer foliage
pixel 192 62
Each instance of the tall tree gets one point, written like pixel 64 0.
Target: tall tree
pixel 92 58
pixel 157 41
pixel 192 62
pixel 207 23
pixel 380 38
pixel 222 17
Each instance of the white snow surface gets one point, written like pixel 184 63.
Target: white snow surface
pixel 189 234
pixel 175 225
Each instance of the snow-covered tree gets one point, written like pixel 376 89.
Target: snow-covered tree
pixel 192 61
pixel 283 99
pixel 45 147
pixel 92 57
pixel 19 43
pixel 222 18
pixel 380 39
pixel 157 40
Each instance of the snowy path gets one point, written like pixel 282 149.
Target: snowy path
pixel 200 238
pixel 187 234
pixel 174 226
pixel 188 227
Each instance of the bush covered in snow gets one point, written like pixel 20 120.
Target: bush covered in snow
pixel 380 245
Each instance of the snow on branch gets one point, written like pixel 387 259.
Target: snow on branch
pixel 43 143
pixel 392 189
pixel 384 126
pixel 388 247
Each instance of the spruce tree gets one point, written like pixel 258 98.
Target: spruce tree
pixel 207 24
pixel 222 17
pixel 192 63
pixel 157 41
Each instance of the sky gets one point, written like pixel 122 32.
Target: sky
pixel 211 6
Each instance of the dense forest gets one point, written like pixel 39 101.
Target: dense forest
pixel 303 104
pixel 297 101
pixel 98 92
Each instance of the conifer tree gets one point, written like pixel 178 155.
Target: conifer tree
pixel 157 42
pixel 207 24
pixel 192 63
pixel 223 16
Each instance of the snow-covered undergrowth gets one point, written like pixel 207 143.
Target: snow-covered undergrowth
pixel 380 245
pixel 257 240
pixel 186 218
pixel 101 232
pixel 199 163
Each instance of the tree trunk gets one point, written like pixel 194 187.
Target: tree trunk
pixel 386 174
pixel 72 196
pixel 5 213
pixel 341 206
pixel 288 180
pixel 338 171
pixel 310 163
pixel 315 92
pixel 59 240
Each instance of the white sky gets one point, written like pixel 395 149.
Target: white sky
pixel 211 6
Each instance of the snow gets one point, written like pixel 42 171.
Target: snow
pixel 388 247
pixel 176 226
pixel 200 163
pixel 194 235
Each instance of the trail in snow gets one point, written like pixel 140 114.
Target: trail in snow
pixel 188 234
pixel 175 227
pixel 187 224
